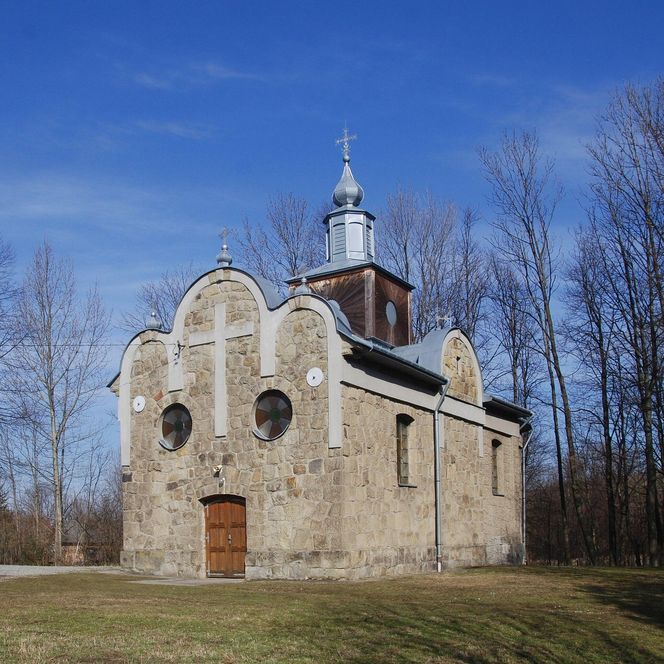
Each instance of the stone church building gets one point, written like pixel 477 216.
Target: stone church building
pixel 308 437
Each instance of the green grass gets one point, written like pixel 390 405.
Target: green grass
pixel 483 615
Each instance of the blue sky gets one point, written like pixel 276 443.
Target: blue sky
pixel 131 132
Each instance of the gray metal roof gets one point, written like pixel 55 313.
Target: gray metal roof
pixel 491 401
pixel 428 353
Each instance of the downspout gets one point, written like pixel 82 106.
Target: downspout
pixel 525 426
pixel 437 473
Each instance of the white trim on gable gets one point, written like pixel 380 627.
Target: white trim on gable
pixel 456 333
pixel 269 322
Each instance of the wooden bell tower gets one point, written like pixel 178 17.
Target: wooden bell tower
pixel 376 302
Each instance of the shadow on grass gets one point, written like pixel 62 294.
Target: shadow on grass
pixel 485 625
pixel 638 594
pixel 478 637
pixel 482 616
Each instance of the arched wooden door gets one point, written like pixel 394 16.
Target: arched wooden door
pixel 225 535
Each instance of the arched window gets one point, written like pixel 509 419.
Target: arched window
pixel 403 470
pixel 496 457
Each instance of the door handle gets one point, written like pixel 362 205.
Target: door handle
pixel 230 538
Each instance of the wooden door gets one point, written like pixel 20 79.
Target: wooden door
pixel 225 535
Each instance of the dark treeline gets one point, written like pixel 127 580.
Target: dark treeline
pixel 567 325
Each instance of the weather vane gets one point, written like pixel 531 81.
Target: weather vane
pixel 344 141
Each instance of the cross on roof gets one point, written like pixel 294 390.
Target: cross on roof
pixel 345 142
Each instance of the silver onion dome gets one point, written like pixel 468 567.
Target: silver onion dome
pixel 348 191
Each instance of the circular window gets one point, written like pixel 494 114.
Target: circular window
pixel 175 427
pixel 391 313
pixel 272 414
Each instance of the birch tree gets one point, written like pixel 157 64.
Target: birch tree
pixel 57 367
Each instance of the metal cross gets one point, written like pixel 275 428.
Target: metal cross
pixel 224 236
pixel 442 321
pixel 345 141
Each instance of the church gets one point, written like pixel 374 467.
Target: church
pixel 309 436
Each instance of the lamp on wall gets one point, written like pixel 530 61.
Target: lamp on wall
pixel 217 473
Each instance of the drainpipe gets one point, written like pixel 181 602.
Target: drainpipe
pixel 526 426
pixel 437 472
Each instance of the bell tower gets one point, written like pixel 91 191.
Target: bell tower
pixel 376 302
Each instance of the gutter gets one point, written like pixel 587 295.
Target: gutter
pixel 368 350
pixel 437 473
pixel 526 427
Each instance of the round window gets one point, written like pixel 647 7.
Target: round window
pixel 391 313
pixel 272 414
pixel 175 427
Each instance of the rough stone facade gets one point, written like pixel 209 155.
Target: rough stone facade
pixel 323 500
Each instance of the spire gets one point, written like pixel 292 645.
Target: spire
pixel 347 191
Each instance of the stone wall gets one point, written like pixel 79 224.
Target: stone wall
pixel 479 528
pixel 312 511
pixel 289 484
pixel 387 528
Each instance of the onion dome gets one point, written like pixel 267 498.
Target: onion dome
pixel 224 258
pixel 347 191
pixel 153 322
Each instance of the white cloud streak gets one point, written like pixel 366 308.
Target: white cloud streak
pixel 191 75
pixel 178 129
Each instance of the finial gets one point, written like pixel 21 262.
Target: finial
pixel 153 322
pixel 224 258
pixel 303 288
pixel 345 142
pixel 347 191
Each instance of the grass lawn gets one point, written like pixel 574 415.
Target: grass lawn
pixel 480 615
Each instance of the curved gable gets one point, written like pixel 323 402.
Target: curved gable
pixel 226 317
pixel 461 366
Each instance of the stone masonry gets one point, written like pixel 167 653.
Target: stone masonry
pixel 313 509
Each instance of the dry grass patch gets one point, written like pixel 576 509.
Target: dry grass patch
pixel 487 615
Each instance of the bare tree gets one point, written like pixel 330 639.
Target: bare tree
pixel 469 278
pixel 161 297
pixel 7 314
pixel 592 330
pixel 525 196
pixel 514 331
pixel 292 242
pixel 417 245
pixel 627 162
pixel 57 367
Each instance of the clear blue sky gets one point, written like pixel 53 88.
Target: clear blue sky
pixel 131 132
